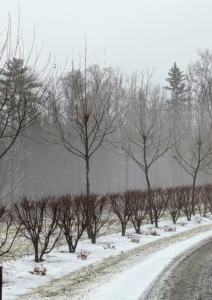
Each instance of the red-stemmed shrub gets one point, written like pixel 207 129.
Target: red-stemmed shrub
pixel 73 219
pixel 39 219
pixel 98 212
pixel 139 203
pixel 122 207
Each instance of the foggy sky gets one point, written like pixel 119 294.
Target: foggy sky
pixel 132 34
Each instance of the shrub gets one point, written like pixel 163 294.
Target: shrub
pixel 83 254
pixel 169 228
pixel 122 207
pixel 134 238
pixel 39 270
pixel 139 203
pixel 108 246
pixel 39 221
pixel 72 219
pixel 98 213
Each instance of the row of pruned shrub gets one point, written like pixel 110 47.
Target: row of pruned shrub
pixel 45 220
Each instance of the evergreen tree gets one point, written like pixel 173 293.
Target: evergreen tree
pixel 19 109
pixel 177 87
pixel 19 101
pixel 17 82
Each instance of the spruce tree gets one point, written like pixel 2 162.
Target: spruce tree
pixel 17 82
pixel 177 87
pixel 19 101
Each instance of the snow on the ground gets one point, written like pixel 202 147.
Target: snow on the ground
pixel 130 284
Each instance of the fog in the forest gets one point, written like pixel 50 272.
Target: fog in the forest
pixel 86 125
pixel 42 170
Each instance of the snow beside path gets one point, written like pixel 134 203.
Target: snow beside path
pixel 129 284
pixel 132 283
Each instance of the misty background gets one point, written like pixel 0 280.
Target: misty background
pixel 135 46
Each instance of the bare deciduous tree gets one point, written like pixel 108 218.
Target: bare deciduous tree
pixel 98 212
pixel 122 207
pixel 39 221
pixel 158 204
pixel 73 219
pixel 144 136
pixel 139 202
pixel 7 236
pixel 194 149
pixel 87 109
pixel 174 202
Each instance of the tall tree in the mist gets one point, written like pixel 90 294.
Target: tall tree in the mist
pixel 87 110
pixel 178 91
pixel 199 77
pixel 144 136
pixel 16 83
pixel 22 92
pixel 193 150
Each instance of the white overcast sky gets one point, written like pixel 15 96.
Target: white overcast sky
pixel 132 34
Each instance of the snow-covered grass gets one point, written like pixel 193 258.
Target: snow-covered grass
pixel 19 278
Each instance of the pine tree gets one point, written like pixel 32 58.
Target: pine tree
pixel 18 81
pixel 178 90
pixel 19 109
pixel 19 101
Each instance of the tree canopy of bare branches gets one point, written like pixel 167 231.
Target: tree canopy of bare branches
pixel 87 109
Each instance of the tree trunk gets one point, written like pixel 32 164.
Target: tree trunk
pixel 36 251
pixel 193 193
pixel 87 176
pixel 123 229
pixel 93 238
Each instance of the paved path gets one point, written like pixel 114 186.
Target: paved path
pixel 187 277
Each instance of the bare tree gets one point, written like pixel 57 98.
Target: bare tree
pixel 7 236
pixel 174 202
pixel 98 212
pixel 73 219
pixel 186 195
pixel 199 79
pixel 194 149
pixel 158 204
pixel 145 136
pixel 39 221
pixel 139 202
pixel 123 208
pixel 87 109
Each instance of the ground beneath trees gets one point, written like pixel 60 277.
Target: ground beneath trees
pixel 102 281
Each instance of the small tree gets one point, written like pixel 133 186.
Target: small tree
pixel 73 219
pixel 98 212
pixel 140 207
pixel 39 221
pixel 174 202
pixel 158 204
pixel 122 207
pixel 208 196
pixel 194 150
pixel 187 203
pixel 7 222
